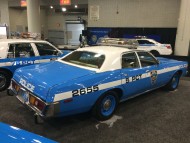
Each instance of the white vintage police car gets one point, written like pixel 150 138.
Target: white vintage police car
pixel 154 47
pixel 16 53
pixel 93 78
pixel 149 45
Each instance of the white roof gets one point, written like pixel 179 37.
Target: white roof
pixel 105 49
pixel 112 56
pixel 19 40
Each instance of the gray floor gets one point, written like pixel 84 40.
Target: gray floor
pixel 156 117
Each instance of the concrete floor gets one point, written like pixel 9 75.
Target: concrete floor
pixel 156 117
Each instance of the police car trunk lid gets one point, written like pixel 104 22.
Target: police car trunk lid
pixel 45 76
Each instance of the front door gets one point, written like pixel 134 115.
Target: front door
pixel 153 70
pixel 134 78
pixel 20 54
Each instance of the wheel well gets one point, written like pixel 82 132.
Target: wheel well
pixel 180 72
pixel 118 91
pixel 7 71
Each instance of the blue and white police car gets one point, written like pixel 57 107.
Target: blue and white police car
pixel 11 134
pixel 16 53
pixel 93 78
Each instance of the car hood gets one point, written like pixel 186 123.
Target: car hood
pixel 11 134
pixel 45 76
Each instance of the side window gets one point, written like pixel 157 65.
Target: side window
pixel 45 49
pixel 129 60
pixel 20 50
pixel 145 42
pixel 131 42
pixel 146 59
pixel 11 52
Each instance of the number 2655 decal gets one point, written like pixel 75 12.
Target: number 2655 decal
pixel 86 90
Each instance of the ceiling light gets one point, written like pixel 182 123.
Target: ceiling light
pixel 64 9
pixel 51 7
pixel 76 6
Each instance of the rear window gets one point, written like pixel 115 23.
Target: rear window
pixel 86 59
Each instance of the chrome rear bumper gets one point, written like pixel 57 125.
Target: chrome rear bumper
pixel 50 110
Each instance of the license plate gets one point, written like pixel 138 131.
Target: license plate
pixel 23 96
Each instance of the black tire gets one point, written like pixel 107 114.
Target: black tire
pixel 5 79
pixel 174 82
pixel 38 119
pixel 155 53
pixel 99 111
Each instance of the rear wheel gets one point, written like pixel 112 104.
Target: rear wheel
pixel 173 84
pixel 5 79
pixel 155 53
pixel 106 106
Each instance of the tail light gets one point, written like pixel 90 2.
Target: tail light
pixel 15 86
pixel 168 46
pixel 37 103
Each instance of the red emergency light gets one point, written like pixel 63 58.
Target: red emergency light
pixel 65 2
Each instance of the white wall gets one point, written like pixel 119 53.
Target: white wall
pixel 18 18
pixel 136 13
pixel 44 22
pixel 4 12
pixel 49 20
pixel 183 31
pixel 56 21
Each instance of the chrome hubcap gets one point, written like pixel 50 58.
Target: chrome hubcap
pixel 2 81
pixel 107 104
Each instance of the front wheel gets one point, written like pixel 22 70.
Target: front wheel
pixel 106 106
pixel 5 80
pixel 173 84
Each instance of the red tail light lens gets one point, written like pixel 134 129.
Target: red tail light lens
pixel 37 103
pixel 168 47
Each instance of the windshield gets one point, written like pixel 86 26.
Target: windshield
pixel 84 58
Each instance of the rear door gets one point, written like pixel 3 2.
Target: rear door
pixel 133 76
pixel 145 43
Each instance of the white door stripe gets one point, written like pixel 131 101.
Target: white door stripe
pixel 68 94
